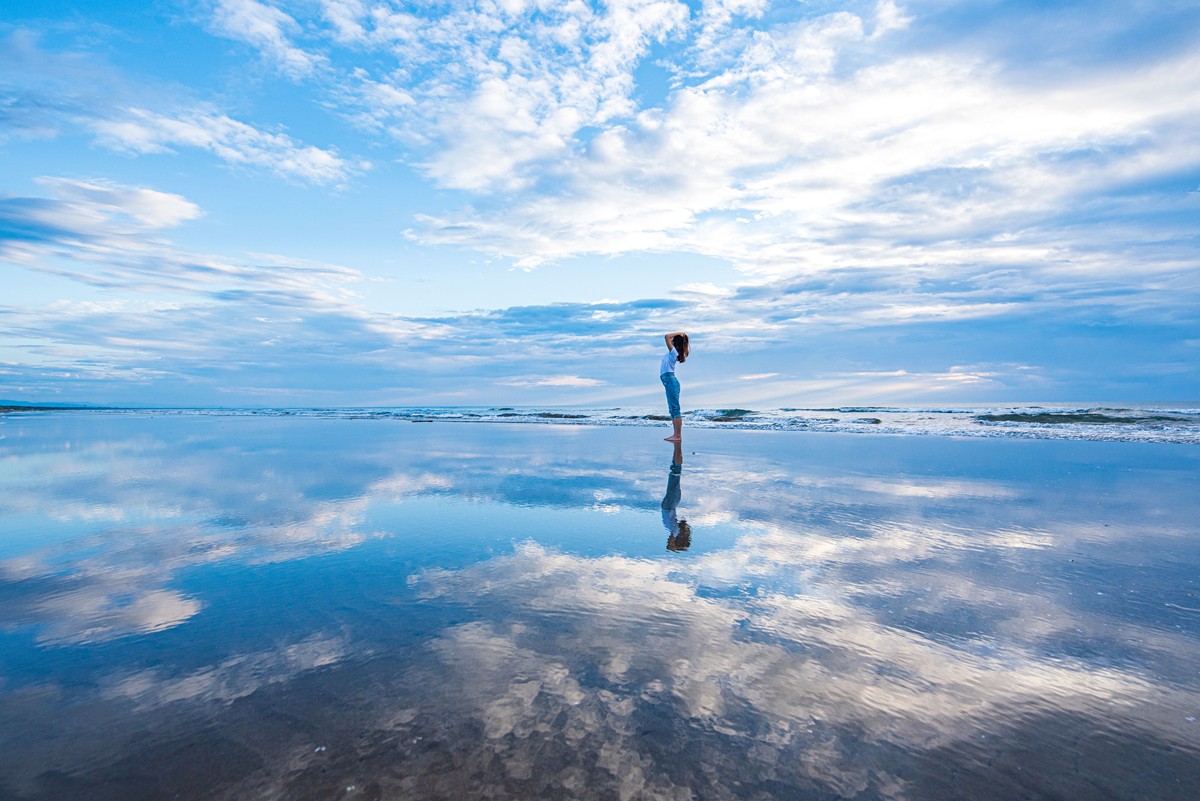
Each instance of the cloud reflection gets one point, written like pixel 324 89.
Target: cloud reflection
pixel 144 508
pixel 235 677
pixel 101 611
pixel 812 670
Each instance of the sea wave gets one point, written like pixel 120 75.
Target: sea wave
pixel 1169 423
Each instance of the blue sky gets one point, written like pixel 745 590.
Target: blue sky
pixel 345 202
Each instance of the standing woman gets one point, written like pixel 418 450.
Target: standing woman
pixel 677 353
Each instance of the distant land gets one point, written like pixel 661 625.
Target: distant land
pixel 9 405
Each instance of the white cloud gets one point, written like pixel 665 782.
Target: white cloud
pixel 235 142
pixel 266 28
pixel 884 386
pixel 553 381
pixel 97 204
pixel 105 233
pixel 55 93
pixel 344 16
pixel 491 93
pixel 819 148
pixel 170 315
pixel 889 17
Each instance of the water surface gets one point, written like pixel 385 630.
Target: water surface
pixel 214 606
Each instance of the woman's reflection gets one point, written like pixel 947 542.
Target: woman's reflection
pixel 679 533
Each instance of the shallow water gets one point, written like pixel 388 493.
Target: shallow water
pixel 304 607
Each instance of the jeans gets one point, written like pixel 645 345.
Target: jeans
pixel 671 385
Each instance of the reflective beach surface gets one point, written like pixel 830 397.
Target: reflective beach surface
pixel 208 607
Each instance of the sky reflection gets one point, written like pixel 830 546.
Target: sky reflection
pixel 440 610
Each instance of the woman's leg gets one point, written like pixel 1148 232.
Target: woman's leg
pixel 671 385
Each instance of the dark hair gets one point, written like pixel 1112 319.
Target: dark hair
pixel 681 541
pixel 680 343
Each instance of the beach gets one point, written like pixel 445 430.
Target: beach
pixel 244 606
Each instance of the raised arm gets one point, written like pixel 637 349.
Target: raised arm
pixel 668 337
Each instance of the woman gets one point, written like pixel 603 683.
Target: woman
pixel 677 353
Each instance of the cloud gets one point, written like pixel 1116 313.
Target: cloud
pixel 832 144
pixel 887 386
pixel 234 142
pixel 57 93
pixel 105 233
pixel 176 317
pixel 494 93
pixel 554 381
pixel 193 322
pixel 95 206
pixel 934 147
pixel 266 28
pixel 792 143
pixel 913 155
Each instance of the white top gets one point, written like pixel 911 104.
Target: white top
pixel 668 363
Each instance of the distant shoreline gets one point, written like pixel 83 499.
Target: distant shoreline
pixel 20 407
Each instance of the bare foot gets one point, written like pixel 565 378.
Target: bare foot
pixel 672 439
